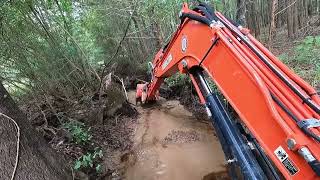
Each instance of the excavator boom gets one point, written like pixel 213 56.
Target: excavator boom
pixel 277 134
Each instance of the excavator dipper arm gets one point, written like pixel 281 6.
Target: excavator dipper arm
pixel 278 134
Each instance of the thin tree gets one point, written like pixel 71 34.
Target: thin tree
pixel 24 153
pixel 272 22
pixel 241 12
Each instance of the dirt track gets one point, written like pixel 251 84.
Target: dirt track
pixel 170 144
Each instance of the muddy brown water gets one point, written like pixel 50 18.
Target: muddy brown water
pixel 171 144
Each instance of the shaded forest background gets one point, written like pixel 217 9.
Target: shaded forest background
pixel 54 54
pixel 60 46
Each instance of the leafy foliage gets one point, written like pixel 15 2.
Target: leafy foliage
pixel 89 160
pixel 309 50
pixel 305 59
pixel 80 134
pixel 59 47
pixel 40 50
pixel 177 80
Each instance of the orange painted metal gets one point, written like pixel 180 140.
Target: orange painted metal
pixel 246 83
pixel 311 91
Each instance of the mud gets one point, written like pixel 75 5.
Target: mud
pixel 171 144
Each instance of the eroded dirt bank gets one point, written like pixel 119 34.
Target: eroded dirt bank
pixel 169 143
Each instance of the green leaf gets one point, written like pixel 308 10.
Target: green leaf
pixel 67 5
pixel 100 154
pixel 50 3
pixel 98 168
pixel 77 165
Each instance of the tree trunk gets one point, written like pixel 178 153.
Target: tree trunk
pixel 281 14
pixel 292 17
pixel 225 8
pixel 272 22
pixel 241 12
pixel 295 18
pixel 302 13
pixel 37 161
pixel 142 45
pixel 253 18
pixel 318 7
pixel 157 34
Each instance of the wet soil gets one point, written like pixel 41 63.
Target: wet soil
pixel 171 144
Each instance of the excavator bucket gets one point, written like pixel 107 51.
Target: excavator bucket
pixel 141 93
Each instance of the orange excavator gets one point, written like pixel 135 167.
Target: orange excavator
pixel 276 134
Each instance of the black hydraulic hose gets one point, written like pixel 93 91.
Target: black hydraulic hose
pixel 209 50
pixel 209 9
pixel 269 167
pixel 284 108
pixel 311 134
pixel 204 11
pixel 294 117
pixel 305 100
pixel 213 15
pixel 198 18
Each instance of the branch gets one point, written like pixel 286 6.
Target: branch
pixel 18 144
pixel 285 8
pixel 121 41
pixel 117 50
pixel 124 88
pixel 61 12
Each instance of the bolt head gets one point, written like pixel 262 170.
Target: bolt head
pixel 184 64
pixel 291 143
